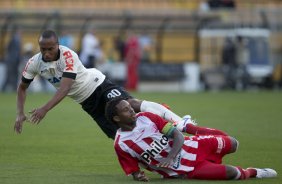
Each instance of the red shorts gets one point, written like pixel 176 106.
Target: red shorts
pixel 210 152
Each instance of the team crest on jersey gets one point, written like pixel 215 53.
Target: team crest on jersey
pixel 59 67
pixel 156 148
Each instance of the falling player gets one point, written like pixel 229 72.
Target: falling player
pixel 88 87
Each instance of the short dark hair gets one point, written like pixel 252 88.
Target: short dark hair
pixel 111 109
pixel 49 34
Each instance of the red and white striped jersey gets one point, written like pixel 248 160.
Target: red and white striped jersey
pixel 147 145
pixel 85 80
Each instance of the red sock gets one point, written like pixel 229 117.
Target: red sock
pixel 195 130
pixel 252 171
pixel 247 173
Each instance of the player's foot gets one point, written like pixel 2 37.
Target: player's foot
pixel 266 173
pixel 188 120
pixel 181 125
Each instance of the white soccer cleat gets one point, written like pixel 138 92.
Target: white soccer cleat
pixel 181 125
pixel 188 120
pixel 266 173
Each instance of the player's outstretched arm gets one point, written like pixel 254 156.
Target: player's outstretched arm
pixel 39 113
pixel 140 176
pixel 21 117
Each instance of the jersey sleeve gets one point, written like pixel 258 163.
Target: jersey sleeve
pixel 71 64
pixel 127 162
pixel 29 71
pixel 164 126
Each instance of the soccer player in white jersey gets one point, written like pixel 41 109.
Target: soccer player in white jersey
pixel 148 140
pixel 89 87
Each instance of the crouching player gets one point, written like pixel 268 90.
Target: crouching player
pixel 147 139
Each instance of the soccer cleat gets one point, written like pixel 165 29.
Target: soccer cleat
pixel 265 173
pixel 187 119
pixel 181 125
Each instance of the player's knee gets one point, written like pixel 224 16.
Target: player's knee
pixel 232 173
pixel 234 144
pixel 135 104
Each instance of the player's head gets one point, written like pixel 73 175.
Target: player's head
pixel 49 46
pixel 119 111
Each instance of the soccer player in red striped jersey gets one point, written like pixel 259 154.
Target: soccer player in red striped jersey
pixel 148 140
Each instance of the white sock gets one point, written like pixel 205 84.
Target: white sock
pixel 147 106
pixel 238 174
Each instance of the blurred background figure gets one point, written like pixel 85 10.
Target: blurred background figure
pixel 204 6
pixel 235 58
pixel 146 42
pixel 90 49
pixel 242 60
pixel 132 59
pixel 12 60
pixel 119 46
pixel 66 39
pixel 229 62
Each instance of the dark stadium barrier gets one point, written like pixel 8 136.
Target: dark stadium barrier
pixel 161 72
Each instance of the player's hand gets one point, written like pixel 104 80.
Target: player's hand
pixel 19 123
pixel 37 115
pixel 140 176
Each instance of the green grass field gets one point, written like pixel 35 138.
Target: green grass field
pixel 68 147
